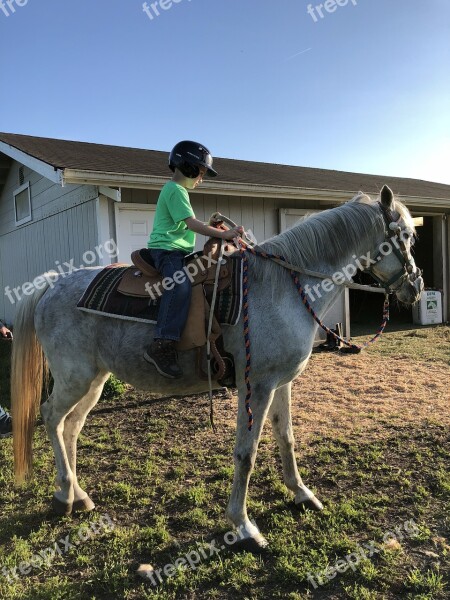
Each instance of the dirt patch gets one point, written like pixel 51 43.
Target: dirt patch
pixel 336 395
pixel 355 393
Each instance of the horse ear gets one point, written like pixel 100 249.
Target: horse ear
pixel 387 196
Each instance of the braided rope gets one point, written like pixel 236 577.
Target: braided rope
pixel 244 248
pixel 354 347
pixel 246 339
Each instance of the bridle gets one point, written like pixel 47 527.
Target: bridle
pixel 398 246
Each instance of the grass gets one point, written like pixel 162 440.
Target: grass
pixel 430 344
pixel 368 445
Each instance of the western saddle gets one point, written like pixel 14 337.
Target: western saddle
pixel 142 280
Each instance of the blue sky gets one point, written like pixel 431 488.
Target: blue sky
pixel 366 88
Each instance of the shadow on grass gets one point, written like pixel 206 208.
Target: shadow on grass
pixel 23 524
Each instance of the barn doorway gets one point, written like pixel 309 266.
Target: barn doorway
pixel 430 255
pixel 134 223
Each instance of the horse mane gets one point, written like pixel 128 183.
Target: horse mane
pixel 327 234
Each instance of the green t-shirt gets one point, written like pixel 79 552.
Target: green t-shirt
pixel 169 229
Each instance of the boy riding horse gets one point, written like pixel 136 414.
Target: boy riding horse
pixel 172 239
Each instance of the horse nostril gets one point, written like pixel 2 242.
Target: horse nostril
pixel 417 274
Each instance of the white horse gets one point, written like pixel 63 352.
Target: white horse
pixel 82 349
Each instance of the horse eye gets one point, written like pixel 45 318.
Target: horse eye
pixel 410 235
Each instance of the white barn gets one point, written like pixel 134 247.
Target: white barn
pixel 61 201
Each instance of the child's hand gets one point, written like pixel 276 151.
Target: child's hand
pixel 5 333
pixel 231 234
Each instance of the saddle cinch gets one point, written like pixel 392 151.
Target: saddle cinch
pixel 142 280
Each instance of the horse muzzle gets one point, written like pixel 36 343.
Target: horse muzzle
pixel 410 291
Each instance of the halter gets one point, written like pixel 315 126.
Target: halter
pixel 399 248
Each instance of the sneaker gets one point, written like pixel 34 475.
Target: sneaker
pixel 6 426
pixel 164 357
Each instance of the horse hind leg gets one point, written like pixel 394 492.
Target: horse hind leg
pixel 54 411
pixel 73 424
pixel 280 416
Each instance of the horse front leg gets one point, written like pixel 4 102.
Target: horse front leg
pixel 280 416
pixel 249 536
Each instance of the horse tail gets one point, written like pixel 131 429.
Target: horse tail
pixel 29 371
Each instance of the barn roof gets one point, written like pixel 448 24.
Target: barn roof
pixel 83 156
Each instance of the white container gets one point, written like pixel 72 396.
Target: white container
pixel 428 311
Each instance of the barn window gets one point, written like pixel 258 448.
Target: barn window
pixel 22 204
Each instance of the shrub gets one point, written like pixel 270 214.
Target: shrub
pixel 113 388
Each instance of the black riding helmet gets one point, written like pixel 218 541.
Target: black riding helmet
pixel 188 157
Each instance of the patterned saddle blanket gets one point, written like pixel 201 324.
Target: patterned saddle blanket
pixel 104 297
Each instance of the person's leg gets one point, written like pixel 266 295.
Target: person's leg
pixel 5 424
pixel 174 307
pixel 172 315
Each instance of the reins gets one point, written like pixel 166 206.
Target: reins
pixel 280 260
pixel 208 337
pixel 353 348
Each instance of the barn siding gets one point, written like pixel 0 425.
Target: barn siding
pixel 258 214
pixel 447 267
pixel 63 227
pixel 65 224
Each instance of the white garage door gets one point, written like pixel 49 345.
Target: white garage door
pixel 133 226
pixel 339 312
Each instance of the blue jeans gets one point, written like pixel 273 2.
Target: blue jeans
pixel 174 307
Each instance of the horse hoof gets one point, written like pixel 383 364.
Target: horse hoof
pixel 84 505
pixel 255 545
pixel 61 509
pixel 309 504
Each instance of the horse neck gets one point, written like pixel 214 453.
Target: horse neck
pixel 343 262
pixel 364 219
pixel 347 264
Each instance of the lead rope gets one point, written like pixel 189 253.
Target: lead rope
pixel 208 339
pixel 246 338
pixel 354 348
